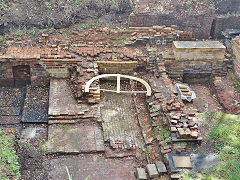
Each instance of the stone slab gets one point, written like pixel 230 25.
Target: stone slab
pixel 182 162
pixel 203 162
pixel 62 102
pixel 161 167
pixel 36 105
pixel 11 96
pixel 76 138
pixel 152 170
pixel 141 174
pixel 198 50
pixel 93 167
pixel 198 44
pixel 199 161
pixel 11 104
pixel 32 132
pixel 9 120
pixel 10 111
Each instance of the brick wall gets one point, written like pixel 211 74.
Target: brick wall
pixel 225 22
pixel 107 67
pixel 41 70
pixel 200 25
pixel 236 52
pixel 39 76
pixel 195 71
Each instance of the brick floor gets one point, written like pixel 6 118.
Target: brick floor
pixel 95 167
pixel 120 124
pixel 61 102
pixel 77 138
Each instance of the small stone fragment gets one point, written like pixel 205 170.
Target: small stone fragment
pixel 152 170
pixel 161 167
pixel 141 174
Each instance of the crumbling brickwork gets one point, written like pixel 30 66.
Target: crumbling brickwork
pixel 200 25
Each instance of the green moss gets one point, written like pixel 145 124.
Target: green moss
pixel 9 165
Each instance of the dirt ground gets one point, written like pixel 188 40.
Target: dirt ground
pixel 205 101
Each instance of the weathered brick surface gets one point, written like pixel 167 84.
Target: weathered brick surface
pixel 78 138
pixel 200 25
pixel 195 71
pixel 63 108
pixel 227 95
pixel 120 121
pixel 94 167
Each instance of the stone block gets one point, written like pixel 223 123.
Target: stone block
pixel 141 174
pixel 161 167
pixel 182 162
pixel 198 50
pixel 152 170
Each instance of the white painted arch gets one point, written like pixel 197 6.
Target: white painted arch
pixel 119 76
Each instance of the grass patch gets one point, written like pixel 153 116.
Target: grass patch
pixel 235 82
pixel 9 166
pixel 48 5
pixel 3 6
pixel 226 137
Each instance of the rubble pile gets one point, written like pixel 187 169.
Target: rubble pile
pixel 79 75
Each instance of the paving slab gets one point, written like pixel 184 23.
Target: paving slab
pixel 161 167
pixel 95 167
pixel 10 96
pixel 4 120
pixel 11 104
pixel 202 162
pixel 152 170
pixel 182 162
pixel 33 132
pixel 10 111
pixel 141 174
pixel 36 105
pixel 199 161
pixel 74 138
pixel 62 103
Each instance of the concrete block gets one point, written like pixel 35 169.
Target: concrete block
pixel 161 167
pixel 152 170
pixel 141 174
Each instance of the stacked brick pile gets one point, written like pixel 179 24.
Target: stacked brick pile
pixel 183 125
